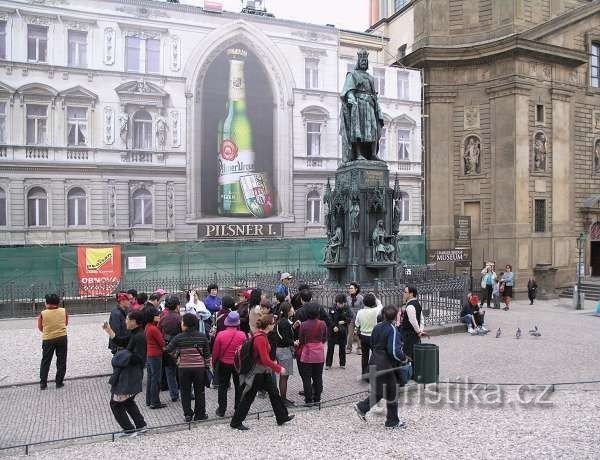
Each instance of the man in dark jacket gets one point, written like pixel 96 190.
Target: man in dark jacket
pixel 126 381
pixel 340 316
pixel 386 357
pixel 116 321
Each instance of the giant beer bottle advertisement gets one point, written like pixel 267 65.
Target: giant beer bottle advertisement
pixel 237 138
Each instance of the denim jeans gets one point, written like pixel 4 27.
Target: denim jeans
pixel 154 371
pixel 468 320
pixel 171 373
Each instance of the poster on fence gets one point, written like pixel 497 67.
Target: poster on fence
pixel 99 270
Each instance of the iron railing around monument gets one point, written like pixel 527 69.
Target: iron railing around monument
pixel 440 293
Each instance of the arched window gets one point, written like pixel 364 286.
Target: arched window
pixel 404 207
pixel 313 207
pixel 37 207
pixel 142 130
pixel 2 207
pixel 142 207
pixel 76 207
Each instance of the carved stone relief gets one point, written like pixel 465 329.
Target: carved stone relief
pixel 109 126
pixel 175 129
pixel 109 46
pixel 471 117
pixel 175 54
pixel 170 205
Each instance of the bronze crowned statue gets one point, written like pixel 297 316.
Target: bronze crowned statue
pixel 361 117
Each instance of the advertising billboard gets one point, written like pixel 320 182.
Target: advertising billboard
pixel 237 138
pixel 98 269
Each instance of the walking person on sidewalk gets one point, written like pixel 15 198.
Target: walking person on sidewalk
pixel 128 373
pixel 260 378
pixel 193 357
pixel 365 321
pixel 508 280
pixel 387 355
pixel 337 332
pixel 531 289
pixel 52 323
pixel 226 343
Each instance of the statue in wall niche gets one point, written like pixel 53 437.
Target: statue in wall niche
pixel 596 157
pixel 361 117
pixel 539 152
pixel 384 247
pixel 123 126
pixel 161 130
pixel 472 155
pixel 354 216
pixel 334 247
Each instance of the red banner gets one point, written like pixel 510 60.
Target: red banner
pixel 99 270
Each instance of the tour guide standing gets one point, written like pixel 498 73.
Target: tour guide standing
pixel 283 287
pixel 261 378
pixel 387 355
pixel 52 323
pixel 412 321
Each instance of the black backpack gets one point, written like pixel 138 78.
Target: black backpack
pixel 243 358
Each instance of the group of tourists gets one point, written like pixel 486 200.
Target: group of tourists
pixel 211 340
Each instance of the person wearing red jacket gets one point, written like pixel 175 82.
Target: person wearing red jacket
pixel 155 343
pixel 260 377
pixel 226 342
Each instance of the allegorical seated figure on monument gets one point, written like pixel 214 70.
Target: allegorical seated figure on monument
pixel 361 117
pixel 334 247
pixel 384 247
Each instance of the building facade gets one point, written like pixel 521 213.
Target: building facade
pixel 113 114
pixel 512 99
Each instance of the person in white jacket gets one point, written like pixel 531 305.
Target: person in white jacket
pixel 197 307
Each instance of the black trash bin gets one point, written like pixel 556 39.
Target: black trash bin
pixel 427 363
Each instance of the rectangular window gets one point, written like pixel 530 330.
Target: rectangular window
pixel 2 122
pixel 379 77
pixel 77 126
pixel 77 48
pixel 2 39
pixel 595 65
pixel 37 118
pixel 38 212
pixel 540 216
pixel 383 143
pixel 2 208
pixel 311 73
pixel 539 113
pixel 403 85
pixel 37 43
pixel 313 139
pixel 132 54
pixel 403 144
pixel 152 55
pixel 77 211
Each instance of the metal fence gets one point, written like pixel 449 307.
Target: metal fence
pixel 440 293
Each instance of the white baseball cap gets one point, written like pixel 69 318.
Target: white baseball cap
pixel 285 275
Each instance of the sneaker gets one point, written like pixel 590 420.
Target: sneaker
pixel 470 330
pixel 200 417
pixel 188 418
pixel 360 413
pixel 288 403
pixel 142 430
pixel 485 329
pixel 125 434
pixel 288 419
pixel 158 406
pixel 342 367
pixel 396 425
pixel 240 427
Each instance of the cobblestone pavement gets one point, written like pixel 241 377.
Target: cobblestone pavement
pixel 566 351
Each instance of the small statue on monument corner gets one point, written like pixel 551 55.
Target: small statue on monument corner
pixel 354 216
pixel 384 247
pixel 334 247
pixel 361 117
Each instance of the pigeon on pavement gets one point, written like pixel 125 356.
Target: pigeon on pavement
pixel 498 332
pixel 518 334
pixel 535 329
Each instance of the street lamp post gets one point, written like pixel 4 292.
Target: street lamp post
pixel 580 246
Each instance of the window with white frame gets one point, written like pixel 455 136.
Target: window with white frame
pixel 142 207
pixel 142 54
pixel 403 91
pixel 37 207
pixel 37 43
pixel 2 207
pixel 313 139
pixel 77 48
pixel 311 73
pixel 379 77
pixel 403 144
pixel 383 143
pixel 313 207
pixel 77 130
pixel 2 39
pixel 2 122
pixel 595 65
pixel 404 207
pixel 76 207
pixel 142 130
pixel 37 120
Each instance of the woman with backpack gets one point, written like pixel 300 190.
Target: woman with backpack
pixel 312 335
pixel 226 343
pixel 259 377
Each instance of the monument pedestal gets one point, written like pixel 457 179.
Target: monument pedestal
pixel 545 275
pixel 362 223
